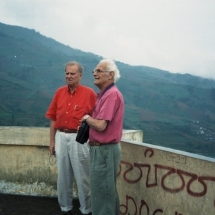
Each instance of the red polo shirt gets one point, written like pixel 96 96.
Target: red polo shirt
pixel 67 109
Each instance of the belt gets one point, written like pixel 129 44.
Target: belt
pixel 68 130
pixel 96 143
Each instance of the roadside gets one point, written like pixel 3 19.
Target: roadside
pixel 32 205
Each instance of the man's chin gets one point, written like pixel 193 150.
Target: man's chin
pixel 70 83
pixel 96 83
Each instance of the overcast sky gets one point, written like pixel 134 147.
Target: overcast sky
pixel 173 35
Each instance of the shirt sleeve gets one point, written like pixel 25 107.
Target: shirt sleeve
pixel 51 112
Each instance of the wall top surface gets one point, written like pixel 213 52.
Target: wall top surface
pixel 39 136
pixel 183 153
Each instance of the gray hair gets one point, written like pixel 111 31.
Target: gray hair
pixel 71 63
pixel 111 67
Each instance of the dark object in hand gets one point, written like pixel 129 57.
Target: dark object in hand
pixel 83 133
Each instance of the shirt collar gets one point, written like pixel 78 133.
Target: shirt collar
pixel 101 92
pixel 74 92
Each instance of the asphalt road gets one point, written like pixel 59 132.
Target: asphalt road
pixel 32 205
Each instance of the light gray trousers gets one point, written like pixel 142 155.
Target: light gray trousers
pixel 72 162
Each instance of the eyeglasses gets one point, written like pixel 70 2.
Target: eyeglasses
pixel 99 71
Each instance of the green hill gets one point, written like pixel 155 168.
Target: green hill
pixel 173 110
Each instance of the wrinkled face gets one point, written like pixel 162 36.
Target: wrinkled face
pixel 102 77
pixel 73 76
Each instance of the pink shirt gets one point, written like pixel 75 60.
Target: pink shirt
pixel 110 108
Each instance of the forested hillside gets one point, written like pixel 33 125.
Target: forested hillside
pixel 173 110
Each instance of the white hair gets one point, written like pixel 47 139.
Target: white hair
pixel 111 67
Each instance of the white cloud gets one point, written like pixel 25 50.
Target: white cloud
pixel 175 35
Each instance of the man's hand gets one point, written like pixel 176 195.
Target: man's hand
pixel 85 117
pixel 52 148
pixel 97 124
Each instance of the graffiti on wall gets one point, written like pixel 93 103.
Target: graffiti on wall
pixel 142 208
pixel 165 173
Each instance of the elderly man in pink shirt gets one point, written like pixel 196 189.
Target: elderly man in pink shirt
pixel 106 125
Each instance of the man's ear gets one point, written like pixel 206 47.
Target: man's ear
pixel 111 75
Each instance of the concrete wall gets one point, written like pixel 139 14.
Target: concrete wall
pixel 26 166
pixel 157 180
pixel 152 180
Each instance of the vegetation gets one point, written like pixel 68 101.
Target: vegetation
pixel 173 110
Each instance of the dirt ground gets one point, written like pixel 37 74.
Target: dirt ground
pixel 32 205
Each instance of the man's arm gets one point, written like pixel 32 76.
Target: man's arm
pixel 52 137
pixel 97 124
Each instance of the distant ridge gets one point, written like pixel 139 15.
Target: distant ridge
pixel 164 105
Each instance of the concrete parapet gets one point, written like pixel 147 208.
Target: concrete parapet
pixel 32 136
pixel 134 135
pixel 151 180
pixel 157 180
pixel 26 166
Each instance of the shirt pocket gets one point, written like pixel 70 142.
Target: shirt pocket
pixel 79 111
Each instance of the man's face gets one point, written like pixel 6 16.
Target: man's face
pixel 73 76
pixel 101 76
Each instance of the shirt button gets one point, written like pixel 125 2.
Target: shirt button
pixel 65 121
pixel 66 112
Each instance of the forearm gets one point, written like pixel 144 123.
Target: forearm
pixel 52 137
pixel 97 124
pixel 52 131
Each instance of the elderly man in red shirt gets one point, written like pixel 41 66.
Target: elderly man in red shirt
pixel 69 105
pixel 106 125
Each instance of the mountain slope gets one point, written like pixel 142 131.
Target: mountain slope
pixel 173 110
